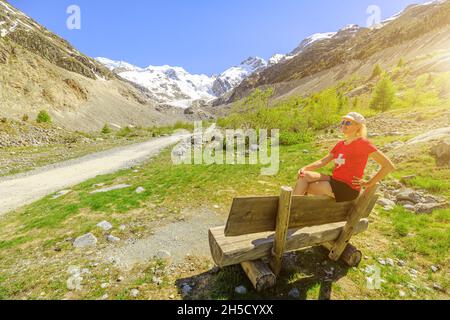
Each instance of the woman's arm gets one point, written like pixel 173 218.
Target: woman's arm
pixel 386 167
pixel 318 164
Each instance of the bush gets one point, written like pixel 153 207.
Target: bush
pixel 124 132
pixel 384 95
pixel 288 138
pixel 377 71
pixel 43 117
pixel 106 129
pixel 25 118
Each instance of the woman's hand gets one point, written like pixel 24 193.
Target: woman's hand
pixel 301 172
pixel 362 183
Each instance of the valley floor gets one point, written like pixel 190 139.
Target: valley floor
pixel 157 247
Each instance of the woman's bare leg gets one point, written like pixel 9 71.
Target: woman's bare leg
pixel 310 177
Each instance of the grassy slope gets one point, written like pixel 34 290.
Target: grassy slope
pixel 36 252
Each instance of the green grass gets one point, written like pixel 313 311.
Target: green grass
pixel 46 223
pixel 426 235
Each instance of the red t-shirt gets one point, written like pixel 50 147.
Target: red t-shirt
pixel 351 160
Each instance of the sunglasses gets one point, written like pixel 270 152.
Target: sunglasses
pixel 346 123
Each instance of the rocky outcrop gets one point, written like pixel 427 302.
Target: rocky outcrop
pixel 441 152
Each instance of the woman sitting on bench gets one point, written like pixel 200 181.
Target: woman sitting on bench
pixel 350 157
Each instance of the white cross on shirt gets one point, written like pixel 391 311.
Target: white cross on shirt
pixel 340 161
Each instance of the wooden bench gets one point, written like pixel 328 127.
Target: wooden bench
pixel 261 228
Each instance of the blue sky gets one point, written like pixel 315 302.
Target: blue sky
pixel 203 36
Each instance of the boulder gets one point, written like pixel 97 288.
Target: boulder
pixel 87 240
pixel 441 152
pixel 105 225
pixel 409 195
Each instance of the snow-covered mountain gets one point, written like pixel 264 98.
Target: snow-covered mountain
pixel 177 87
pixel 232 77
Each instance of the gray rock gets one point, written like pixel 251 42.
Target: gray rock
pixel 412 287
pixel 402 293
pixel 164 256
pixel 413 272
pixel 118 187
pixel 386 202
pixel 409 195
pixel 427 208
pixel 87 240
pixel 157 281
pixel 186 290
pixel 111 238
pixel 401 263
pixel 294 293
pixel 73 270
pixel 61 193
pixel 382 261
pixel 104 285
pixel 409 207
pixel 390 262
pixel 441 152
pixel 134 293
pixel 240 290
pixel 140 190
pixel 74 283
pixel 434 269
pixel 438 287
pixel 105 225
pixel 120 279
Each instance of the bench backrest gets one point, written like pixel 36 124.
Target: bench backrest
pixel 250 215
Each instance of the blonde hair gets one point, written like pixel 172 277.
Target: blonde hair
pixel 362 132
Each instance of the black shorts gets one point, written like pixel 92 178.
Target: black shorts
pixel 342 191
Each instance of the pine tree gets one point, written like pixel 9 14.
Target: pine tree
pixel 377 71
pixel 106 129
pixel 401 63
pixel 383 95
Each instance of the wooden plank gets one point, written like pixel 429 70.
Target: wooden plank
pixel 259 274
pixel 258 214
pixel 227 251
pixel 284 211
pixel 351 256
pixel 358 211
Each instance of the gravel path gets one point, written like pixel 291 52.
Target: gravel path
pixel 188 237
pixel 22 189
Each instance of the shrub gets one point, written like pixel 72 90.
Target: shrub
pixel 106 129
pixel 288 138
pixel 124 132
pixel 43 117
pixel 377 71
pixel 25 118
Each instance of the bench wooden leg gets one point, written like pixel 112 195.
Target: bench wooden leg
pixel 351 256
pixel 358 211
pixel 282 226
pixel 260 275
